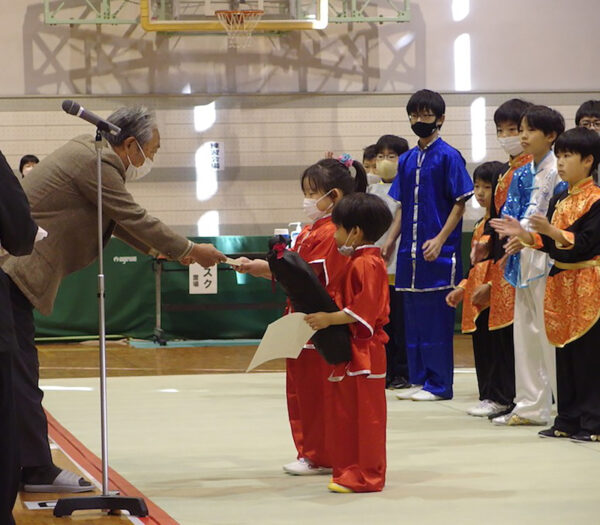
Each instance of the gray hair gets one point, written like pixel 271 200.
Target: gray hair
pixel 134 121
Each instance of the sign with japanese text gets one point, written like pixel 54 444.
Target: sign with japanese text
pixel 202 280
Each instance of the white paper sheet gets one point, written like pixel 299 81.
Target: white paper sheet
pixel 232 262
pixel 40 505
pixel 283 338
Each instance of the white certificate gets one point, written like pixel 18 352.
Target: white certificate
pixel 283 338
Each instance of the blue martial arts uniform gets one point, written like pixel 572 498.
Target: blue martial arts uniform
pixel 429 183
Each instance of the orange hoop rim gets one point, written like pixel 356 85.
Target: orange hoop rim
pixel 239 11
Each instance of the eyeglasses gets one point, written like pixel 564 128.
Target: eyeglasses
pixel 595 124
pixel 389 156
pixel 421 116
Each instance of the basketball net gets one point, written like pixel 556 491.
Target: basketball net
pixel 239 25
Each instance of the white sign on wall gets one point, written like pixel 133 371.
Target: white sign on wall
pixel 202 280
pixel 216 156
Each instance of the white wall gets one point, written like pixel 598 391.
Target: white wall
pixel 515 45
pixel 268 141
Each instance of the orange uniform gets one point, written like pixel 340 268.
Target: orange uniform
pixel 477 276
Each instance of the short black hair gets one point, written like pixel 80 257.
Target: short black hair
pixel 370 152
pixel 582 141
pixel 365 210
pixel 395 143
pixel 545 119
pixel 26 159
pixel 590 108
pixel 488 171
pixel 511 111
pixel 425 99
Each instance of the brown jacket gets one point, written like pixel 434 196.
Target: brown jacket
pixel 62 195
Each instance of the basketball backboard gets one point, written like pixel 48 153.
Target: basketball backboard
pixel 199 15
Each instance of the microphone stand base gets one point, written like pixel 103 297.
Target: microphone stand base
pixel 135 506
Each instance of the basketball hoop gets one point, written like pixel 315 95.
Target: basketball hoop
pixel 239 25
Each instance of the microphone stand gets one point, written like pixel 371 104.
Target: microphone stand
pixel 110 502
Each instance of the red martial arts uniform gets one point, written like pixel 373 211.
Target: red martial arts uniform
pixel 308 391
pixel 358 409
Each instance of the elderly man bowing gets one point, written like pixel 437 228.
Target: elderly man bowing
pixel 62 192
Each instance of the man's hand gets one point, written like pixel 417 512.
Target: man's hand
pixel 206 255
pixel 432 249
pixel 455 297
pixel 318 321
pixel 481 295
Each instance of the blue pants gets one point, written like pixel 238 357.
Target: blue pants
pixel 429 327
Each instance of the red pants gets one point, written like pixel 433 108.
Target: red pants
pixel 358 432
pixel 308 396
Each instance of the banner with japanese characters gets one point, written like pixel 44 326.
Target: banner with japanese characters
pixel 202 280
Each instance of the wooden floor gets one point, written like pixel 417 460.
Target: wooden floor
pixel 81 360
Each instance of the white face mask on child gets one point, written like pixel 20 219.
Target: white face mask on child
pixel 512 145
pixel 372 178
pixel 311 209
pixel 346 249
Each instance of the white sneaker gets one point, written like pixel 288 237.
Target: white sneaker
pixel 407 393
pixel 303 467
pixel 485 408
pixel 424 395
pixel 511 419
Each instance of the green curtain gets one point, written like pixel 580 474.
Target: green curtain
pixel 242 308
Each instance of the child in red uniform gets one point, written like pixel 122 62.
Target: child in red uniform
pixel 357 411
pixel 308 391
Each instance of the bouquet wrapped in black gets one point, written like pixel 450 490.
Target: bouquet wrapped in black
pixel 307 294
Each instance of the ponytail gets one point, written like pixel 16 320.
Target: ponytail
pixel 328 174
pixel 360 179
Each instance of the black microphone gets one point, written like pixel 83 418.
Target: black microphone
pixel 73 108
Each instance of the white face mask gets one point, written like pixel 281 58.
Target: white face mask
pixel 137 172
pixel 387 169
pixel 311 209
pixel 373 179
pixel 346 249
pixel 26 170
pixel 512 145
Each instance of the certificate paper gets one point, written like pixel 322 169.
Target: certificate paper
pixel 283 338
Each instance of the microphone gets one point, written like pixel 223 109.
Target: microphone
pixel 73 108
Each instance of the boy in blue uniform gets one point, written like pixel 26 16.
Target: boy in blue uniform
pixel 432 186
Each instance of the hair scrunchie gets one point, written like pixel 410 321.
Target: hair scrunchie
pixel 346 160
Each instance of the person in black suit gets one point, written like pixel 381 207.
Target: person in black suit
pixel 17 235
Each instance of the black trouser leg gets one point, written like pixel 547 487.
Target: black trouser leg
pixel 9 438
pixel 577 373
pixel 395 348
pixel 482 352
pixel 32 422
pixel 502 373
